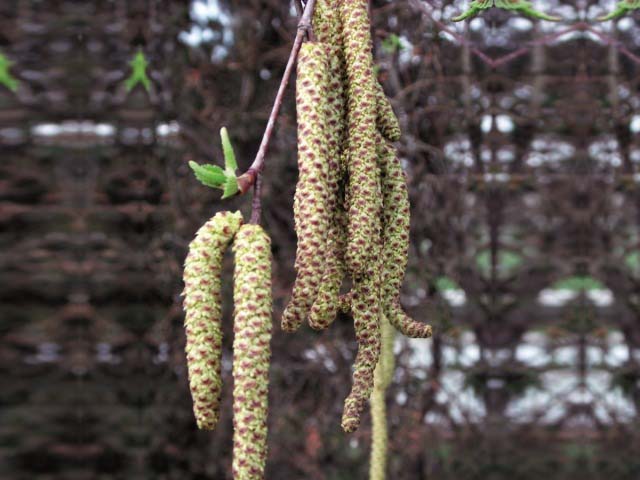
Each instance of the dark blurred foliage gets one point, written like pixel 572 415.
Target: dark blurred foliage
pixel 522 150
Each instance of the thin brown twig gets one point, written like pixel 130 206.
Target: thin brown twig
pixel 247 179
pixel 256 202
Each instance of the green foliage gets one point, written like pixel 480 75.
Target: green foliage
pixel 214 176
pixel 522 7
pixel 624 7
pixel 444 284
pixel 578 283
pixel 507 261
pixel 6 79
pixel 139 65
pixel 392 44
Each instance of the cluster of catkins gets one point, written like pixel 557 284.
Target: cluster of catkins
pixel 252 334
pixel 351 205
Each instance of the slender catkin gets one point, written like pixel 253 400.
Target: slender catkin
pixel 328 29
pixel 364 193
pixel 395 239
pixel 386 119
pixel 311 202
pixel 382 378
pixel 251 351
pixel 366 311
pixel 203 306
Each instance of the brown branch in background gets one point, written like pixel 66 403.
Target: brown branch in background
pixel 247 179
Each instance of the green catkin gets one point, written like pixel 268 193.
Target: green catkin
pixel 382 378
pixel 203 307
pixel 366 311
pixel 251 351
pixel 364 203
pixel 311 202
pixel 386 119
pixel 327 29
pixel 395 239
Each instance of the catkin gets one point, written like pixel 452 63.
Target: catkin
pixel 395 239
pixel 311 202
pixel 366 311
pixel 203 306
pixel 328 30
pixel 364 199
pixel 251 351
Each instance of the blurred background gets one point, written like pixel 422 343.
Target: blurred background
pixel 521 144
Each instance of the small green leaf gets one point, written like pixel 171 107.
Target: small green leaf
pixel 392 44
pixel 210 175
pixel 622 8
pixel 230 163
pixel 230 186
pixel 138 72
pixel 6 78
pixel 475 8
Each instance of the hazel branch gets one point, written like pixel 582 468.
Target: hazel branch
pixel 248 178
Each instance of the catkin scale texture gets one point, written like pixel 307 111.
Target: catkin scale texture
pixel 203 307
pixel 312 209
pixel 328 29
pixel 366 311
pixel 386 119
pixel 251 351
pixel 364 193
pixel 395 239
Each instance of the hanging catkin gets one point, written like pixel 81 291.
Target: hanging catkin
pixel 395 238
pixel 311 202
pixel 251 351
pixel 328 30
pixel 366 310
pixel 382 378
pixel 364 186
pixel 203 306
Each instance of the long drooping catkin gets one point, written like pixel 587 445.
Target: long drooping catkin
pixel 366 311
pixel 395 239
pixel 251 351
pixel 382 378
pixel 364 192
pixel 328 30
pixel 203 306
pixel 311 203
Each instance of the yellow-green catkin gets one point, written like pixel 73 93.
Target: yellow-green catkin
pixel 364 192
pixel 328 30
pixel 366 311
pixel 395 239
pixel 203 307
pixel 382 378
pixel 386 119
pixel 311 202
pixel 251 351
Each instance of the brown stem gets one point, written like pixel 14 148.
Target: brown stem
pixel 247 179
pixel 256 202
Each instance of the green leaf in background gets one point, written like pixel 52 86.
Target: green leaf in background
pixel 391 44
pixel 6 79
pixel 475 8
pixel 633 261
pixel 138 72
pixel 444 284
pixel 622 8
pixel 578 283
pixel 520 6
pixel 507 261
